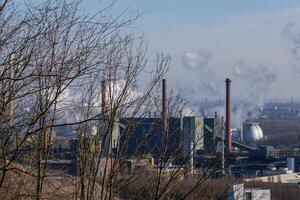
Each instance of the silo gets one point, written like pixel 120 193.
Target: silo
pixel 291 163
pixel 252 132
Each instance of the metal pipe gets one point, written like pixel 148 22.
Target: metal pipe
pixel 242 133
pixel 228 116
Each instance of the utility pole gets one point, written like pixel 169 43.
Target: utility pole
pixel 223 150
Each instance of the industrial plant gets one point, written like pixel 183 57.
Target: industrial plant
pixel 193 143
pixel 197 101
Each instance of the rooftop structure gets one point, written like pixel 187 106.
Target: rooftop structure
pixel 239 192
pixel 280 178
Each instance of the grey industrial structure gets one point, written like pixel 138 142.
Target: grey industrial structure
pixel 194 137
pixel 239 192
pixel 144 136
pixel 166 136
pixel 171 136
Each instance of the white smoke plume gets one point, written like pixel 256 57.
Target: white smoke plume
pixel 220 110
pixel 243 111
pixel 292 35
pixel 189 111
pixel 256 81
pixel 206 84
pixel 196 60
pixel 255 74
pixel 74 99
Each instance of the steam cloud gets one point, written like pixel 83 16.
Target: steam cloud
pixel 196 60
pixel 256 81
pixel 206 87
pixel 292 35
pixel 74 99
pixel 261 75
pixel 206 84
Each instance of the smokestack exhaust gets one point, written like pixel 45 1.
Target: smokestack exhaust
pixel 164 106
pixel 228 116
pixel 103 98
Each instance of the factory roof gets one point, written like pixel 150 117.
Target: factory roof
pixel 281 178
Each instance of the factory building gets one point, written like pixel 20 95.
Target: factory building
pixel 167 136
pixel 212 129
pixel 193 133
pixel 174 138
pixel 144 136
pixel 161 137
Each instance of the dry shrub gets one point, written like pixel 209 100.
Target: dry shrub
pixel 208 189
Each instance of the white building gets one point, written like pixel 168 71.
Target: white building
pixel 239 192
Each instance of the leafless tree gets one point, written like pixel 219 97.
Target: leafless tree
pixel 56 62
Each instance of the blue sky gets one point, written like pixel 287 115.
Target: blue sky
pixel 230 29
pixel 248 30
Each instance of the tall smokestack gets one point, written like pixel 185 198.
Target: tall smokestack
pixel 164 106
pixel 103 98
pixel 228 116
pixel 223 157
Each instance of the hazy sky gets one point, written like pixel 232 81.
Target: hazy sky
pixel 248 30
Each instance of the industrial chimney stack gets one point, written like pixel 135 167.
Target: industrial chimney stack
pixel 228 116
pixel 164 107
pixel 103 98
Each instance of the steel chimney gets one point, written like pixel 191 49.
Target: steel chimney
pixel 228 116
